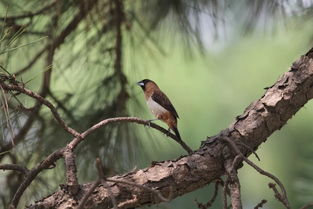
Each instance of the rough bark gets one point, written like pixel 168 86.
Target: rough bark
pixel 188 173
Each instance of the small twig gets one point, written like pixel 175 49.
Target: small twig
pixel 250 149
pixel 278 195
pixel 260 170
pixel 260 204
pixel 86 196
pixel 211 201
pixel 60 105
pixel 94 186
pixel 309 205
pixel 14 167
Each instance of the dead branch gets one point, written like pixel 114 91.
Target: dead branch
pixel 279 196
pixel 283 195
pixel 211 201
pixel 251 150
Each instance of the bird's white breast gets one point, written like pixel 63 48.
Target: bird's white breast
pixel 155 108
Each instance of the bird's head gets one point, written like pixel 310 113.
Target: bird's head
pixel 144 83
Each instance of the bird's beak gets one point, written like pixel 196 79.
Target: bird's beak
pixel 140 83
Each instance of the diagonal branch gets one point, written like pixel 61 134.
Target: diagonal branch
pixel 188 173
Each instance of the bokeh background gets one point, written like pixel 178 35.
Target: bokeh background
pixel 212 58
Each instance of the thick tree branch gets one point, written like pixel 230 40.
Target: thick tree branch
pixel 260 119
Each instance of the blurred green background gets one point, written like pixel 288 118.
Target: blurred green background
pixel 210 75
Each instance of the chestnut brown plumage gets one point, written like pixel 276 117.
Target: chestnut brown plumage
pixel 162 108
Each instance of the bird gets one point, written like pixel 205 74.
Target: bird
pixel 161 107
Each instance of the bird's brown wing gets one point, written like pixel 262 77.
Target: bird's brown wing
pixel 160 98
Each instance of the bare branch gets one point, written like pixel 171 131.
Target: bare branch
pixel 284 198
pixel 14 167
pixel 76 141
pixel 251 150
pixel 211 201
pixel 278 195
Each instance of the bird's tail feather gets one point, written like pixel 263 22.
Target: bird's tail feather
pixel 177 133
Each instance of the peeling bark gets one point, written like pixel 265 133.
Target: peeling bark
pixel 188 173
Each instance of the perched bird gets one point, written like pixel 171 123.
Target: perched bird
pixel 162 108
